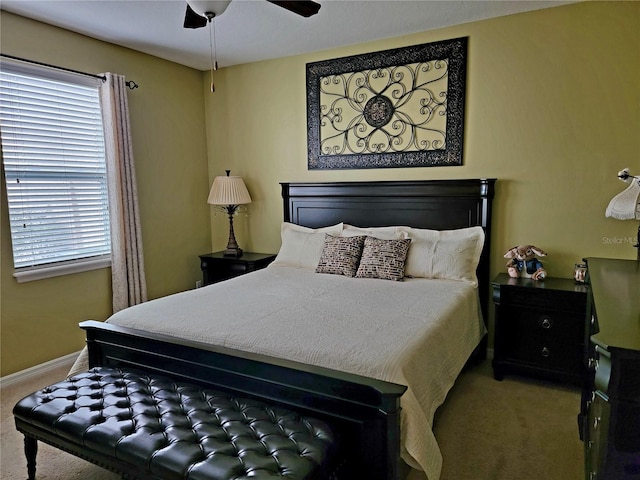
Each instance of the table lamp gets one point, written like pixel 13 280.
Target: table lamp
pixel 626 204
pixel 229 192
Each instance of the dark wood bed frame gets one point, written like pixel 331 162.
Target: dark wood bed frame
pixel 365 411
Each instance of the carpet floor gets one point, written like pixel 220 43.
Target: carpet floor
pixel 517 429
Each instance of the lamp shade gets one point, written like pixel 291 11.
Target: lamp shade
pixel 228 190
pixel 625 205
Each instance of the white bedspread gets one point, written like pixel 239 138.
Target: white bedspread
pixel 417 333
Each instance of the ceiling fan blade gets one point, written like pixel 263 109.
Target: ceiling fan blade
pixel 306 8
pixel 193 19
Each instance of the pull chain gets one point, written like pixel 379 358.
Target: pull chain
pixel 212 48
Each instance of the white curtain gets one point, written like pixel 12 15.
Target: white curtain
pixel 127 262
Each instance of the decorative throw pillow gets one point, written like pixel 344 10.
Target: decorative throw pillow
pixel 301 246
pixel 340 255
pixel 383 258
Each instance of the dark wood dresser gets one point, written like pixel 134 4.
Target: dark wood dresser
pixel 609 419
pixel 539 328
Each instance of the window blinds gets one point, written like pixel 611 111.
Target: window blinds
pixel 54 159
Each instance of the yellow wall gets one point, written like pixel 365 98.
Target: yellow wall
pixel 39 319
pixel 551 111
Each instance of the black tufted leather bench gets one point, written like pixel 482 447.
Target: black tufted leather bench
pixel 150 427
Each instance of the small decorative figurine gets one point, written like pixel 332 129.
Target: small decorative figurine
pixel 524 263
pixel 580 272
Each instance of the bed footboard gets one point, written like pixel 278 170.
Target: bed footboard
pixel 365 411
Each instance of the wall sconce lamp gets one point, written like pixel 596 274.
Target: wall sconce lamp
pixel 626 204
pixel 229 193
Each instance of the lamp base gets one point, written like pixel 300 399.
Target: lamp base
pixel 232 252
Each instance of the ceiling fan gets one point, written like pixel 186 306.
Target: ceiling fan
pixel 199 13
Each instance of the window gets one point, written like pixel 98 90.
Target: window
pixel 55 172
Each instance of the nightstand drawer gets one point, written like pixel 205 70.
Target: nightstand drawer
pixel 237 268
pixel 216 267
pixel 556 300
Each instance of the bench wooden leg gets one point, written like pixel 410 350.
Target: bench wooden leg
pixel 30 451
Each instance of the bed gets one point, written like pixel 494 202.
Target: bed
pixel 354 351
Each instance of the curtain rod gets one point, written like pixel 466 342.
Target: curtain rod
pixel 130 83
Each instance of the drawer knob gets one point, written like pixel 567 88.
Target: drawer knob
pixel 546 323
pixel 593 364
pixel 545 352
pixel 596 422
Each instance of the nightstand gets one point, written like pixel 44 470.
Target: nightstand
pixel 539 328
pixel 216 267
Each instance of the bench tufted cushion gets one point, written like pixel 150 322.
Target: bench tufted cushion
pixel 179 431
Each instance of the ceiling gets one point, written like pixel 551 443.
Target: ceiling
pixel 254 30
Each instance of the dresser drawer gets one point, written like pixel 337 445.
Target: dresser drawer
pixel 595 448
pixel 603 369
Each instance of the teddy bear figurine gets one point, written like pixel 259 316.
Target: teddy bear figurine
pixel 524 262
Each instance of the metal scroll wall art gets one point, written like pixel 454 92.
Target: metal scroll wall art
pixel 396 108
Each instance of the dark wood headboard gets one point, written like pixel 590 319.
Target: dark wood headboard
pixel 432 204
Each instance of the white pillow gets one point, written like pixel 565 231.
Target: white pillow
pixel 447 254
pixel 302 246
pixel 381 233
pixel 330 229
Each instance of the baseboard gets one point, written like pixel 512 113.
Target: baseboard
pixel 45 367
